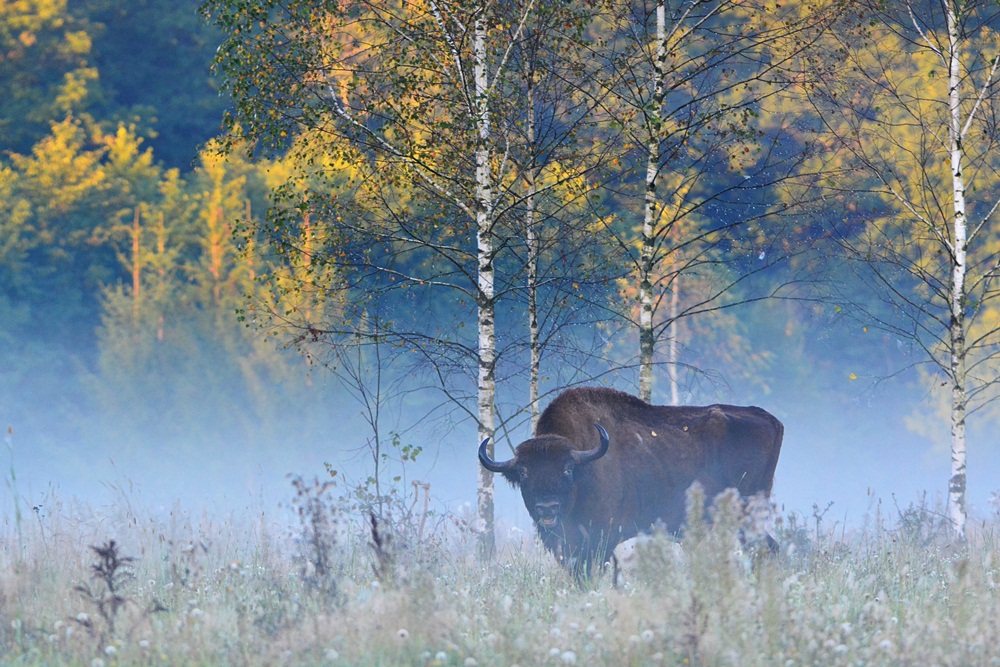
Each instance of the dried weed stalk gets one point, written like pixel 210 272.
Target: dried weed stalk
pixel 314 506
pixel 381 544
pixel 111 572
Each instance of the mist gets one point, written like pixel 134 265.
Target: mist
pixel 127 378
pixel 846 460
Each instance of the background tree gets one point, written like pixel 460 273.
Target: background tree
pixel 556 155
pixel 168 93
pixel 171 355
pixel 914 113
pixel 46 72
pixel 413 98
pixel 687 82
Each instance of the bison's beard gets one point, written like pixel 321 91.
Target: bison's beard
pixel 570 546
pixel 554 539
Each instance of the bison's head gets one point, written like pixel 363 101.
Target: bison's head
pixel 546 469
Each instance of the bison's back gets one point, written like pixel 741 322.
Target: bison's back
pixel 657 452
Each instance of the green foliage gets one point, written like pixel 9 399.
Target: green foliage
pixel 46 73
pixel 154 60
pixel 126 256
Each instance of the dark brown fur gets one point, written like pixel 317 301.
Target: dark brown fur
pixel 656 453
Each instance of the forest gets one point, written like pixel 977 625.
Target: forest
pixel 240 238
pixel 271 271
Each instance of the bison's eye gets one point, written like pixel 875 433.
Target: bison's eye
pixel 568 472
pixel 522 473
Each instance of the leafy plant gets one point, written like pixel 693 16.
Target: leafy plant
pixel 111 572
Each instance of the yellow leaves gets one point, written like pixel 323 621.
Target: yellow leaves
pixel 74 88
pixel 60 168
pixel 852 377
pixel 78 42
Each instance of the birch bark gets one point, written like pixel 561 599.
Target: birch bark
pixel 486 387
pixel 957 333
pixel 651 212
pixel 531 238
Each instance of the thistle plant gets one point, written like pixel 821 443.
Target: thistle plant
pixel 110 573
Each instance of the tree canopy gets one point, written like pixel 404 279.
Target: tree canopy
pixel 505 199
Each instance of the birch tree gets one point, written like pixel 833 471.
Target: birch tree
pixel 555 154
pixel 915 114
pixel 688 94
pixel 402 103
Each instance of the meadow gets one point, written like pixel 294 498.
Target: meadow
pixel 323 586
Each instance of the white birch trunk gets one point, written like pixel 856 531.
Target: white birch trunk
pixel 647 340
pixel 957 339
pixel 486 387
pixel 531 239
pixel 674 349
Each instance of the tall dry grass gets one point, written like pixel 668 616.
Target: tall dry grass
pixel 204 590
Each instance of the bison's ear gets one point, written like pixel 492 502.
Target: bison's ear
pixel 505 467
pixel 596 453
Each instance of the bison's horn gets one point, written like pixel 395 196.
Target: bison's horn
pixel 597 452
pixel 490 464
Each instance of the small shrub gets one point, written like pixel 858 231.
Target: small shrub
pixel 111 572
pixel 315 508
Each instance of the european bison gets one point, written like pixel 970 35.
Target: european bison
pixel 604 466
